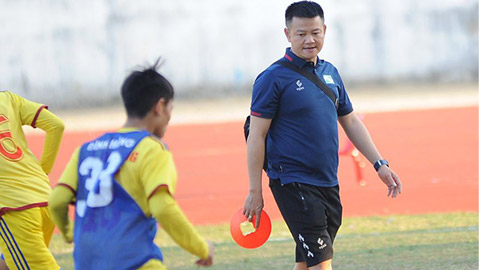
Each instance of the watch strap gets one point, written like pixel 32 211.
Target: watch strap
pixel 379 164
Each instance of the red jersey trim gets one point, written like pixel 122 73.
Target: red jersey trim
pixel 67 186
pixel 255 114
pixel 156 189
pixel 288 57
pixel 34 122
pixel 25 207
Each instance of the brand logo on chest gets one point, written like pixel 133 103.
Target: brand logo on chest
pixel 328 79
pixel 299 84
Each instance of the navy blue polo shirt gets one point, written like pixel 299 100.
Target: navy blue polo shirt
pixel 302 142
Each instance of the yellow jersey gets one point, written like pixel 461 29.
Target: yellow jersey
pixel 23 178
pixel 149 176
pixel 149 167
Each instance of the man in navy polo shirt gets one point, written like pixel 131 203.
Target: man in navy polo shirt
pixel 299 122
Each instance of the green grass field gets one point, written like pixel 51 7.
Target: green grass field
pixel 433 241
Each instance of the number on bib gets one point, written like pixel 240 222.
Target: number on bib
pixel 99 182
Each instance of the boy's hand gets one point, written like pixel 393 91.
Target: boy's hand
pixel 208 261
pixel 68 235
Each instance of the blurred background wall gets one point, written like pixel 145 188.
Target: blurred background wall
pixel 76 53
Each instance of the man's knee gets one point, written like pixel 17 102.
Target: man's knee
pixel 300 266
pixel 325 265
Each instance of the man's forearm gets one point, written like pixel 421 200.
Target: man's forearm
pixel 255 159
pixel 360 137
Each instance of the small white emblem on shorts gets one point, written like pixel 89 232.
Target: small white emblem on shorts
pixel 321 243
pixel 300 237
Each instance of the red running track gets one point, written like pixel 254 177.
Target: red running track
pixel 435 153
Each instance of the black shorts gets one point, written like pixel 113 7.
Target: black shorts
pixel 313 215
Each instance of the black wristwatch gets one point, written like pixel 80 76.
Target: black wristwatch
pixel 379 163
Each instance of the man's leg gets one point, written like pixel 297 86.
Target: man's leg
pixel 306 218
pixel 325 265
pixel 300 266
pixel 333 205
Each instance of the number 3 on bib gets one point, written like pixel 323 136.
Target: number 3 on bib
pixel 100 181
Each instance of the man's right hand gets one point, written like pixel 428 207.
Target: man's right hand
pixel 253 207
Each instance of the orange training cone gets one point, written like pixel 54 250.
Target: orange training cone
pixel 254 239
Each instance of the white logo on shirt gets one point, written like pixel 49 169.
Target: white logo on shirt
pixel 300 87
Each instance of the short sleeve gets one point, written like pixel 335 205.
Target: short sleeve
pixel 29 110
pixel 158 170
pixel 344 104
pixel 265 96
pixel 69 176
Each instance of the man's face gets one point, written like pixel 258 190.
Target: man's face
pixel 306 36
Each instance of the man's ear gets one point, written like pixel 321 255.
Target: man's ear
pixel 287 33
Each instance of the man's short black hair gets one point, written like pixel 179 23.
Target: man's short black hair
pixel 303 9
pixel 142 89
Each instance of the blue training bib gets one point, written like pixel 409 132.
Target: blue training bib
pixel 111 230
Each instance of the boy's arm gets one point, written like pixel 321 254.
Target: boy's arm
pixel 62 195
pixel 170 216
pixel 53 126
pixel 158 176
pixel 58 202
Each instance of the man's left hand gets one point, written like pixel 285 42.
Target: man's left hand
pixel 391 180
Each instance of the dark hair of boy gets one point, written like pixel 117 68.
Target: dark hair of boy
pixel 143 88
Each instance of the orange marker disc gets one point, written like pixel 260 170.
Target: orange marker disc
pixel 254 239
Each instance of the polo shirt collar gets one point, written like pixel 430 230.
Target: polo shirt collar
pixel 290 56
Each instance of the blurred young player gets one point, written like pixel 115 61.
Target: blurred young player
pixel 25 224
pixel 122 183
